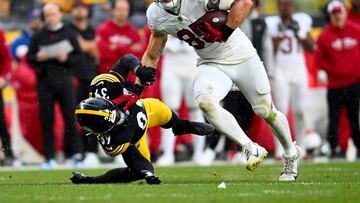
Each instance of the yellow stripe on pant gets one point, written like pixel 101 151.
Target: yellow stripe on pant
pixel 157 114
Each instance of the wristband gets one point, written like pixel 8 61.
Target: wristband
pixel 226 31
pixel 138 89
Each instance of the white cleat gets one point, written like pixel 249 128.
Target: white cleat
pixel 291 167
pixel 254 155
pixel 166 160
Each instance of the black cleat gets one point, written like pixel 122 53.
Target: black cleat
pixel 192 127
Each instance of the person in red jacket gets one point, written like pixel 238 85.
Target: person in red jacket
pixel 338 54
pixel 117 37
pixel 5 63
pixel 354 13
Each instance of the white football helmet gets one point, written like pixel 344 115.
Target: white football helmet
pixel 171 5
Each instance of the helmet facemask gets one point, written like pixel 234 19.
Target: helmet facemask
pixel 170 5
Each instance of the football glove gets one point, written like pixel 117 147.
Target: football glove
pixel 77 178
pixel 150 178
pixel 219 36
pixel 146 75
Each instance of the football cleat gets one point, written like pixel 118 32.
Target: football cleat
pixel 291 167
pixel 254 155
pixel 192 127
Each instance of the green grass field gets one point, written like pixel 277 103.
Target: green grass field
pixel 330 182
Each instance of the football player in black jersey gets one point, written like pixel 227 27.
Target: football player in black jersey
pixel 121 127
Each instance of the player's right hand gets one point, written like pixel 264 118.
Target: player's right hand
pixel 152 180
pixel 146 75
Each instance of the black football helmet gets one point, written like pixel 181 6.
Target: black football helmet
pixel 98 115
pixel 106 86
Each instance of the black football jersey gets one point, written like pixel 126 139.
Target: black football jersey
pixel 130 132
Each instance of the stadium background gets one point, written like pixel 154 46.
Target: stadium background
pixel 258 132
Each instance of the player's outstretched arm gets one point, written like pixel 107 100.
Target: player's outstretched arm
pixel 117 175
pixel 154 50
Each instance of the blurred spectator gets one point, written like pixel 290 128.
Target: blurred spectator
pixel 117 37
pixel 53 51
pixel 5 64
pixel 21 43
pixel 100 12
pixel 338 54
pixel 20 8
pixel 177 77
pixel 138 11
pixel 290 33
pixel 86 69
pixel 354 13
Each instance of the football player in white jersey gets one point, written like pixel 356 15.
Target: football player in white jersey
pixel 179 63
pixel 290 35
pixel 227 57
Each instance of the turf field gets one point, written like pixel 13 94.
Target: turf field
pixel 330 182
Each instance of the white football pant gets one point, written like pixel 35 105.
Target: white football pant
pixel 214 81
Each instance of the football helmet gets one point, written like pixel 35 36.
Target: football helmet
pixel 106 86
pixel 171 5
pixel 98 115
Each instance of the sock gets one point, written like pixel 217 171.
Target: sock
pixel 280 127
pixel 225 123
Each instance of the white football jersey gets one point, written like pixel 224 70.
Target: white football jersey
pixel 236 49
pixel 290 53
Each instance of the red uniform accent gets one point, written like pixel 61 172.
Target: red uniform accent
pixel 338 53
pixel 354 18
pixel 113 42
pixel 5 58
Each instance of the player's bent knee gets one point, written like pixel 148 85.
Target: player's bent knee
pixel 266 112
pixel 206 102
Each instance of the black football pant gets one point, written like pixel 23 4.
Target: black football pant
pixel 61 90
pixel 347 97
pixel 90 143
pixel 4 134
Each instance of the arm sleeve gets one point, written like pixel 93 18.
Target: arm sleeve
pixel 124 65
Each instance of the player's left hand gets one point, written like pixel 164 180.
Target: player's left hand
pixel 77 178
pixel 130 100
pixel 146 75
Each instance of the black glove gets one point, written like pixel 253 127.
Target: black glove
pixel 77 178
pixel 146 75
pixel 152 180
